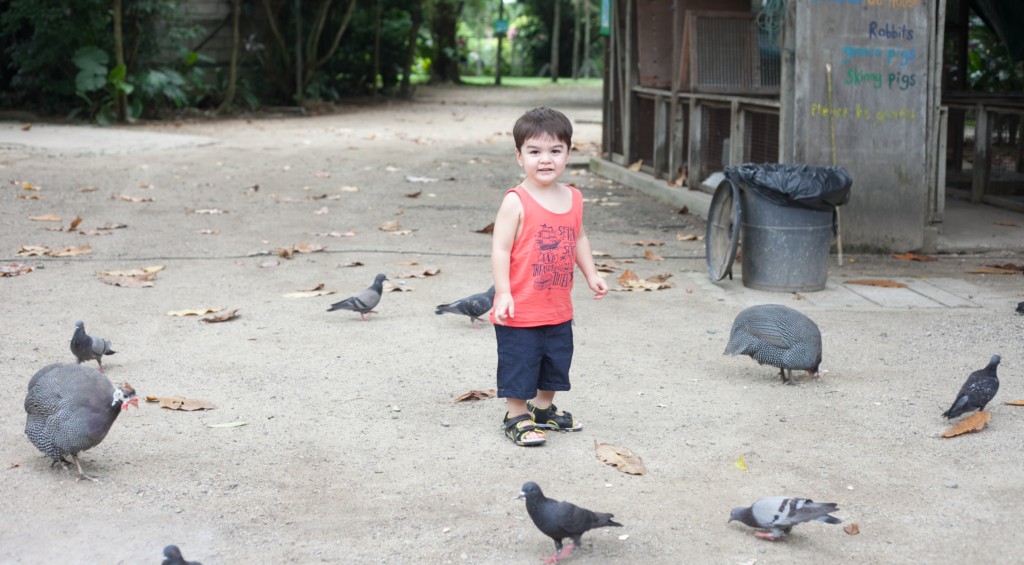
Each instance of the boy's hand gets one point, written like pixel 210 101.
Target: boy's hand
pixel 598 285
pixel 504 308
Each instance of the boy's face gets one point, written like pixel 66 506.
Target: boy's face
pixel 543 159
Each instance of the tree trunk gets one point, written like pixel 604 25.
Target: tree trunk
pixel 444 24
pixel 229 94
pixel 376 48
pixel 405 90
pixel 119 99
pixel 576 39
pixel 555 27
pixel 314 62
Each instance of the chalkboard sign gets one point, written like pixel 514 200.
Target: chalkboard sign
pixel 878 54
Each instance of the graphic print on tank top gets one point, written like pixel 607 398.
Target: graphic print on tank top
pixel 556 257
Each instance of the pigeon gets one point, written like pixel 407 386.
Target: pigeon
pixel 560 520
pixel 70 409
pixel 979 388
pixel 1020 307
pixel 777 335
pixel 473 306
pixel 85 347
pixel 780 513
pixel 173 557
pixel 365 301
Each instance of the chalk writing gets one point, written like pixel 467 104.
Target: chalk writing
pixel 890 31
pixel 902 80
pixel 891 55
pixel 840 2
pixel 856 77
pixel 876 117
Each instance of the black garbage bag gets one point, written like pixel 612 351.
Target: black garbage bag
pixel 804 186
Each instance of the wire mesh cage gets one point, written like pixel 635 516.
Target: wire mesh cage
pixel 714 136
pixel 762 137
pixel 729 53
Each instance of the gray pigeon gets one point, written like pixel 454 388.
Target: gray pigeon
pixel 979 388
pixel 365 301
pixel 70 409
pixel 473 306
pixel 780 513
pixel 1020 308
pixel 560 520
pixel 85 347
pixel 777 335
pixel 173 556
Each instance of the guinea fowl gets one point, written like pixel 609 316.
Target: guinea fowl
pixel 777 335
pixel 85 347
pixel 70 409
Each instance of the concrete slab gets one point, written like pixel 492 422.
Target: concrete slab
pixel 54 140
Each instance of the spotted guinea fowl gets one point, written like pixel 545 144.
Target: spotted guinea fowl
pixel 86 347
pixel 777 335
pixel 70 409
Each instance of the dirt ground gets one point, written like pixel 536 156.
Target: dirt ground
pixel 353 449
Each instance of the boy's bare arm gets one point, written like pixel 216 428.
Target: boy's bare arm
pixel 505 227
pixel 585 260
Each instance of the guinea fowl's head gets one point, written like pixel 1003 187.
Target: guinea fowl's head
pixel 126 395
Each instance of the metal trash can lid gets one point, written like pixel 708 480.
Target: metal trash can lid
pixel 723 233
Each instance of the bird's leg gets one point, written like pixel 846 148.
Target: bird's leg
pixel 81 473
pixel 101 366
pixel 770 536
pixel 556 555
pixel 566 551
pixel 782 373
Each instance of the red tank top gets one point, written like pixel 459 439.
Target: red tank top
pixel 543 261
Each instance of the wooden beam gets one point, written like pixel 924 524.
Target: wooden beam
pixel 982 168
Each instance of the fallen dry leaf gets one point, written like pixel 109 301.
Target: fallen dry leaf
pixel 1006 223
pixel 350 264
pixel 33 250
pixel 993 271
pixel 414 194
pixel 629 281
pixel 419 274
pixel 651 256
pixel 322 175
pixel 135 199
pixel 973 423
pixel 71 251
pixel 181 403
pixel 401 232
pixel 222 317
pixel 136 281
pixel 208 232
pixel 194 312
pixel 410 178
pixel 1015 403
pixel 322 211
pixel 30 197
pixel 877 282
pixel 689 237
pixel 307 293
pixel 145 185
pixel 621 458
pixel 852 528
pixel 636 166
pixel 309 248
pixel 110 226
pixel 408 263
pixel 476 395
pixel 30 186
pixel 88 189
pixel 914 257
pixel 606 265
pixel 741 464
pixel 489 228
pixel 70 227
pixel 648 243
pixel 26 127
pixel 133 272
pixel 349 233
pixel 45 218
pixel 390 225
pixel 392 287
pixel 349 189
pixel 15 269
pixel 207 211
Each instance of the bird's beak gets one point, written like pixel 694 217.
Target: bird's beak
pixel 521 496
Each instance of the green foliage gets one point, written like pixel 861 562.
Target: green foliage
pixel 990 68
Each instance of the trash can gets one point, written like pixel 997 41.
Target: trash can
pixel 787 217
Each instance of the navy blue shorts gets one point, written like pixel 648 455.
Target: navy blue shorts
pixel 532 359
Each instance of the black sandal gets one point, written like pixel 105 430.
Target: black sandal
pixel 549 418
pixel 517 428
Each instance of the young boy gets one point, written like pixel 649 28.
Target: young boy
pixel 537 242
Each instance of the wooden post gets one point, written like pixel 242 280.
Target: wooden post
pixel 555 39
pixel 982 155
pixel 693 160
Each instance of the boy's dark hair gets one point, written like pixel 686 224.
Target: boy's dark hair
pixel 540 122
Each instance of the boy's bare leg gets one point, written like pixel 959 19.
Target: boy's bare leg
pixel 544 399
